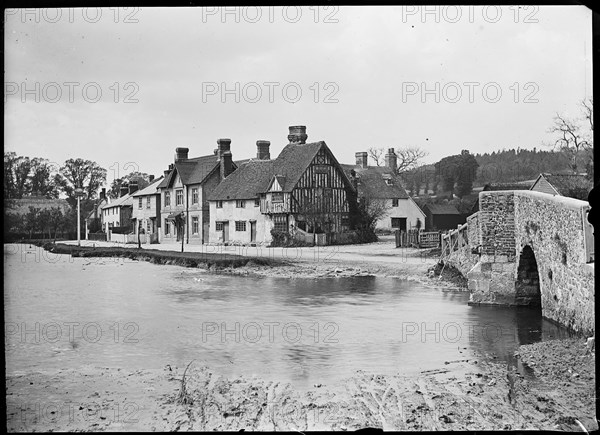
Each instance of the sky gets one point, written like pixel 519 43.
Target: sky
pixel 124 87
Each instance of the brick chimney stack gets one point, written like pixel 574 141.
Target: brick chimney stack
pixel 103 194
pixel 181 154
pixel 224 155
pixel 262 150
pixel 133 187
pixel 297 134
pixel 361 159
pixel 123 191
pixel 222 146
pixel 391 160
pixel 150 178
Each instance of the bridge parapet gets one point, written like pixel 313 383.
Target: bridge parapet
pixel 533 242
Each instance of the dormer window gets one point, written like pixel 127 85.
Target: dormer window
pixel 389 182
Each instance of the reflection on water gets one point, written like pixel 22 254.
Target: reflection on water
pixel 122 313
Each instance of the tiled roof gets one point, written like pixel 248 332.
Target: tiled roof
pixel 246 182
pixel 565 184
pixel 293 160
pixel 192 171
pixel 373 184
pixel 148 190
pixel 124 200
pixel 442 209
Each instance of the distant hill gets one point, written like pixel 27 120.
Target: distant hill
pixel 517 165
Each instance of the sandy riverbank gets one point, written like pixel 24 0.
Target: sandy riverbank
pixel 556 393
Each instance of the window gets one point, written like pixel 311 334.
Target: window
pixel 147 202
pixel 195 195
pixel 219 204
pixel 389 182
pixel 280 223
pixel 277 197
pixel 167 228
pixel 395 202
pixel 195 225
pixel 240 225
pixel 140 202
pixel 179 197
pixel 148 226
pixel 167 200
pixel 240 203
pixel 219 226
pixel 257 202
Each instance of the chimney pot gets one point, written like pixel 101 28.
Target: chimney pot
pixel 181 153
pixel 103 193
pixel 297 134
pixel 223 145
pixel 361 159
pixel 262 150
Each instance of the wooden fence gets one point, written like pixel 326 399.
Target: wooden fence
pixel 97 236
pixel 417 239
pixel 455 240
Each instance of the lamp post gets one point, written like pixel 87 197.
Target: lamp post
pixel 79 193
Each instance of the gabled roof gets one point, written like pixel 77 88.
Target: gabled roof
pixel 293 161
pixel 150 189
pixel 372 182
pixel 567 184
pixel 192 171
pixel 246 182
pixel 122 201
pixel 441 209
pixel 255 176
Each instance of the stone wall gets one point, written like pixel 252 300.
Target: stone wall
pixel 555 230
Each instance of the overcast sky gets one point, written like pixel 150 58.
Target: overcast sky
pixel 368 77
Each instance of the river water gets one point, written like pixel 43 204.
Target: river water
pixel 63 312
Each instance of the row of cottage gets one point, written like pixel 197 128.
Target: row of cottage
pixel 214 199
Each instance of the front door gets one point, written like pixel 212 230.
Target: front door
pixel 225 232
pixel 253 231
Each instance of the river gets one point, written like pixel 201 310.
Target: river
pixel 63 312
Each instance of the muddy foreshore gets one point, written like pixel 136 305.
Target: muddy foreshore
pixel 555 390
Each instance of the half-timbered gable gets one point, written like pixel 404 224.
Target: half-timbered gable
pixel 304 188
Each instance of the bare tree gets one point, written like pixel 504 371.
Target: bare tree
pixel 371 210
pixel 407 158
pixel 572 139
pixel 377 155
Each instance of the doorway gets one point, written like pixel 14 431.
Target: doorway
pixel 225 232
pixel 252 231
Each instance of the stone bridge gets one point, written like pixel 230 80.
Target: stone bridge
pixel 532 248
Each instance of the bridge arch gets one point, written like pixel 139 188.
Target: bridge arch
pixel 527 282
pixel 535 249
